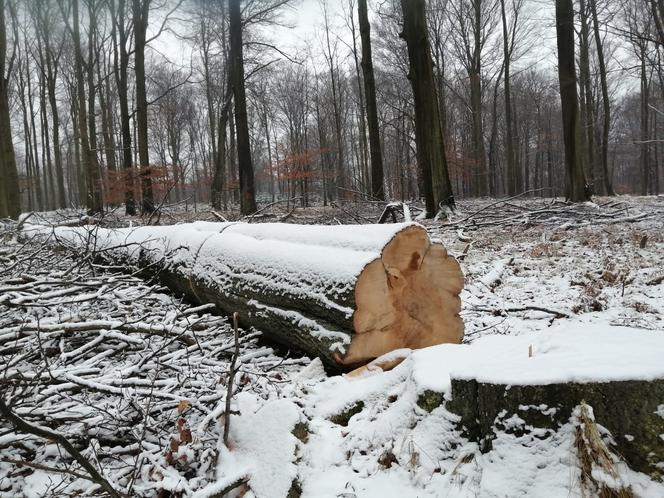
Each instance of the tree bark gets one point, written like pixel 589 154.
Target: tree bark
pixel 217 195
pixel 428 133
pixel 377 189
pixel 577 188
pixel 245 166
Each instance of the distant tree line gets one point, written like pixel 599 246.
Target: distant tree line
pixel 398 99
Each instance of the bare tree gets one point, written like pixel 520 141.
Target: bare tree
pixel 121 38
pixel 577 187
pixel 472 25
pixel 377 190
pixel 508 49
pixel 89 156
pixel 246 170
pixel 428 133
pixel 46 31
pixel 141 11
pixel 10 204
pixel 606 104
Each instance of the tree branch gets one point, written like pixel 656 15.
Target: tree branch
pixel 27 427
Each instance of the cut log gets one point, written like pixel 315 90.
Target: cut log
pixel 347 294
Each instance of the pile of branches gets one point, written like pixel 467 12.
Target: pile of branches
pixel 108 384
pixel 550 212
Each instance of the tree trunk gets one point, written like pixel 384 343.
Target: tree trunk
pixel 245 166
pixel 45 138
pixel 606 104
pixel 120 65
pixel 107 128
pixel 363 156
pixel 269 149
pixel 93 180
pixel 475 76
pixel 493 187
pixel 364 291
pixel 52 62
pixel 10 201
pixel 92 91
pixel 644 157
pixel 377 189
pixel 510 162
pixel 216 191
pixel 141 9
pixel 35 182
pixel 428 133
pixel 340 174
pixel 587 111
pixel 577 188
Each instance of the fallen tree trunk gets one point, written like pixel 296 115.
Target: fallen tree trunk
pixel 347 294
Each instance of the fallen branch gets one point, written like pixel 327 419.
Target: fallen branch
pixel 45 433
pixel 231 376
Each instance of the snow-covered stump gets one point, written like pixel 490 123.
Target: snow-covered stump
pixel 631 411
pixel 347 294
pixel 532 384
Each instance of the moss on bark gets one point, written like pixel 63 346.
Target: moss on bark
pixel 344 417
pixel 629 410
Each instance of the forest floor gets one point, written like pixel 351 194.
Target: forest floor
pixel 136 379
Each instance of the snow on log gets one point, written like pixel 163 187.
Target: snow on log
pixel 347 294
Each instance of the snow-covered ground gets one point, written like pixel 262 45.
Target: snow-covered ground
pixel 578 291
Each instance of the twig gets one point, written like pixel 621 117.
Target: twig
pixel 218 216
pixel 45 468
pixel 231 376
pixel 500 311
pixel 501 201
pixel 254 214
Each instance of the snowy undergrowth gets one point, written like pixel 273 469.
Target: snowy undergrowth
pixel 134 378
pixel 389 441
pixel 532 269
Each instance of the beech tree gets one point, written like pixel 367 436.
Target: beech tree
pixel 431 158
pixel 120 35
pixel 372 111
pixel 140 13
pixel 577 187
pixel 94 201
pixel 246 169
pixel 10 203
